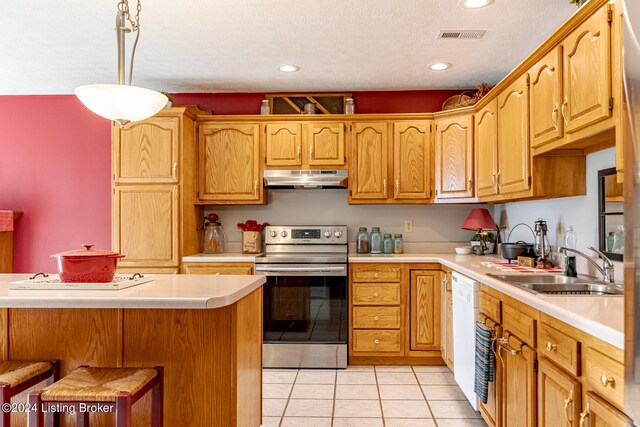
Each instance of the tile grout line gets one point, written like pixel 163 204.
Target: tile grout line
pixel 286 405
pixel 375 374
pixel 433 417
pixel 335 391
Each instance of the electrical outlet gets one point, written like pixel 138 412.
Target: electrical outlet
pixel 408 226
pixel 238 221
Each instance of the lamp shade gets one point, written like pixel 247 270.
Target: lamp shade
pixel 479 219
pixel 121 103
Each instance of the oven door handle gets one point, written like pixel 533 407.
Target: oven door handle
pixel 292 271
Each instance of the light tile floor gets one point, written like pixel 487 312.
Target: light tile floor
pixel 363 396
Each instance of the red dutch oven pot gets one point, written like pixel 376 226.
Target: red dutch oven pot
pixel 87 265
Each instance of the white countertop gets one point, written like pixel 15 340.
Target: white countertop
pixel 167 291
pixel 224 257
pixel 602 317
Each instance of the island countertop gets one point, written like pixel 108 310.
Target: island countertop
pixel 166 291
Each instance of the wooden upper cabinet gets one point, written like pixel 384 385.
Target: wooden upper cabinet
pixel 283 144
pixel 411 160
pixel 146 227
pixel 513 138
pixel 587 72
pixel 229 164
pixel 559 397
pixel 486 133
pixel 425 310
pixel 519 385
pixel 454 157
pixel 325 143
pixel 368 165
pixel 545 93
pixel 147 151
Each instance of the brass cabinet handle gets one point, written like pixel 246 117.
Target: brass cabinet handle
pixel 551 347
pixel 375 295
pixel 376 318
pixel 504 345
pixel 376 341
pixel 554 113
pixel 175 169
pixel 584 415
pixel 376 275
pixel 255 187
pixel 384 187
pixel 397 186
pixel 568 401
pixel 299 153
pixel 564 112
pixel 606 381
pixel 469 184
pixel 311 152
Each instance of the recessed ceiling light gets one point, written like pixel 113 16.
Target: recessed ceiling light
pixel 288 68
pixel 440 66
pixel 476 4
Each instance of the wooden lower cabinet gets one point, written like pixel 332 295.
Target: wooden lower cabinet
pixel 491 410
pixel 559 397
pixel 599 413
pixel 446 334
pixel 225 268
pixel 424 309
pixel 518 382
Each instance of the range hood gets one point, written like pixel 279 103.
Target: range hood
pixel 305 178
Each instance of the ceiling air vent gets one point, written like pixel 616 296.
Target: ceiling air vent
pixel 461 34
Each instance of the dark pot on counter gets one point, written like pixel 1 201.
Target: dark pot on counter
pixel 87 265
pixel 511 251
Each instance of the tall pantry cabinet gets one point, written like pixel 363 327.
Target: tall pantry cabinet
pixel 154 219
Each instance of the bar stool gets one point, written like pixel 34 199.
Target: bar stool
pixel 17 376
pixel 87 390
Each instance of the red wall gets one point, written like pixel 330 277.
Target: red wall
pixel 55 164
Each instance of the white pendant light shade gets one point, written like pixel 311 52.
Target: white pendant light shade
pixel 121 103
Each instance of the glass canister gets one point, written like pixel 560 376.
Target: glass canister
pixel 376 241
pixel 309 108
pixel 213 238
pixel 265 109
pixel 387 244
pixel 362 241
pixel 349 106
pixel 398 244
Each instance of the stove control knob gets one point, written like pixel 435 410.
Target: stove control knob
pixel 273 233
pixel 327 234
pixel 283 233
pixel 338 233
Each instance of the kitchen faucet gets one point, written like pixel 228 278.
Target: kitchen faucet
pixel 607 266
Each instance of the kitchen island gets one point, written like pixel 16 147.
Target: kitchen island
pixel 205 330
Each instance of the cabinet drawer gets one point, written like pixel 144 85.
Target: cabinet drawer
pixel 376 273
pixel 218 268
pixel 519 324
pixel 605 376
pixel 377 341
pixel 560 348
pixel 376 317
pixel 491 307
pixel 376 293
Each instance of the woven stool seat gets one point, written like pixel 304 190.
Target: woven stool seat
pixel 98 384
pixel 15 373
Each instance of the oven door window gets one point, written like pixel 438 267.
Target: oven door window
pixel 304 309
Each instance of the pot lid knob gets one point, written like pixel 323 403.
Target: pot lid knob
pixel 88 246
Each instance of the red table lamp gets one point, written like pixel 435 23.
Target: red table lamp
pixel 480 219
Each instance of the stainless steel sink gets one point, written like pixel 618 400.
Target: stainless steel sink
pixel 549 284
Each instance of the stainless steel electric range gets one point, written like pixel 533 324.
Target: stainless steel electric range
pixel 305 297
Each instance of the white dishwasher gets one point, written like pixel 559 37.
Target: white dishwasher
pixel 465 313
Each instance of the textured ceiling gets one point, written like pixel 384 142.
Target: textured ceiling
pixel 50 47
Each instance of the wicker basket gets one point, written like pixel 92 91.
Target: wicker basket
pixel 458 101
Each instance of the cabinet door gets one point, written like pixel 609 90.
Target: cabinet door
pixel 411 161
pixel 454 157
pixel 444 277
pixel 545 99
pixel 449 331
pixel 600 413
pixel 325 143
pixel 229 163
pixel 486 124
pixel 587 72
pixel 513 138
pixel 519 384
pixel 235 268
pixel 425 310
pixel 559 397
pixel 368 165
pixel 284 144
pixel 145 225
pixel 147 151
